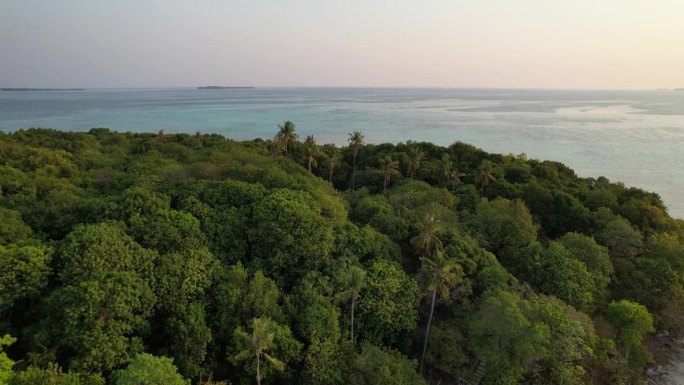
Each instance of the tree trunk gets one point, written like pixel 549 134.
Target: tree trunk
pixel 331 172
pixel 354 173
pixel 352 320
pixel 384 184
pixel 258 374
pixel 309 164
pixel 427 330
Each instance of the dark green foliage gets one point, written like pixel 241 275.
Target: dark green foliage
pixel 387 307
pixel 288 234
pixel 192 246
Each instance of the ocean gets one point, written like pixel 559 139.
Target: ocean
pixel 636 137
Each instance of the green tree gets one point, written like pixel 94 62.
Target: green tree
pixel 288 235
pixel 6 364
pixel 105 299
pixel 389 167
pixel 441 273
pixel 286 134
pixel 354 282
pixel 631 322
pixel 257 344
pixel 24 272
pixel 375 366
pixel 54 375
pixel 387 307
pixel 311 152
pixel 355 141
pixel 485 177
pixel 149 370
pixel 415 157
pixel 428 240
pixel 333 160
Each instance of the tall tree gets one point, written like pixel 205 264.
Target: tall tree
pixel 333 159
pixel 355 141
pixel 445 168
pixel 389 168
pixel 428 239
pixel 354 282
pixel 442 273
pixel 415 157
pixel 311 152
pixel 485 177
pixel 256 344
pixel 286 134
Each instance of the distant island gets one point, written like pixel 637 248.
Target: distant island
pixel 679 89
pixel 221 88
pixel 42 89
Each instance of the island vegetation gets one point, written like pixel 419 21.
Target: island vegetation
pixel 138 258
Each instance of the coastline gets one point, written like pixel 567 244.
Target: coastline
pixel 668 355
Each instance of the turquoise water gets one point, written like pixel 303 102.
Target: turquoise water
pixel 632 136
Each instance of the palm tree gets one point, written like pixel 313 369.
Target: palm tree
pixel 445 168
pixel 257 344
pixel 415 157
pixel 485 177
pixel 286 134
pixel 442 273
pixel 333 159
pixel 455 178
pixel 311 152
pixel 355 281
pixel 428 241
pixel 389 168
pixel 355 141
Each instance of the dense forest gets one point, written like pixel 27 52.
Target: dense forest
pixel 139 258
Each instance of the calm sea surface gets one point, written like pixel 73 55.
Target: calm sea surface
pixel 636 137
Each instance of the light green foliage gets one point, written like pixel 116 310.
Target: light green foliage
pixel 316 318
pixel 6 364
pixel 106 297
pixel 24 271
pixel 12 227
pixel 554 271
pixel 168 231
pixel 182 276
pixel 388 305
pixel 503 337
pixel 631 322
pixel 149 370
pixel 288 234
pixel 54 375
pixel 232 193
pixel 140 201
pixel 261 299
pixel 375 366
pixel 503 227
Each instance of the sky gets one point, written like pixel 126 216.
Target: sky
pixel 591 44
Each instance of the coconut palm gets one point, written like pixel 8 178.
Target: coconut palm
pixel 354 282
pixel 286 134
pixel 455 178
pixel 355 142
pixel 256 345
pixel 311 152
pixel 333 159
pixel 445 168
pixel 415 157
pixel 485 177
pixel 389 168
pixel 442 273
pixel 428 240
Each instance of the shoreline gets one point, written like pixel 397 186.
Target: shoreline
pixel 668 357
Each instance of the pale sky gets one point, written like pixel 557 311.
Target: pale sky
pixel 350 43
